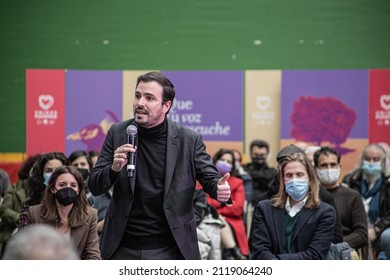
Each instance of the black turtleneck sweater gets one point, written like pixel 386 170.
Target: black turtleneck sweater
pixel 147 227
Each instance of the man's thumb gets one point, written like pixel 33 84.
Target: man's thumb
pixel 224 178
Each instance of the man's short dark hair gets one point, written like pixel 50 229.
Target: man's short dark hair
pixel 260 144
pixel 326 151
pixel 168 88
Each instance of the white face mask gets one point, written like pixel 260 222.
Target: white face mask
pixel 328 176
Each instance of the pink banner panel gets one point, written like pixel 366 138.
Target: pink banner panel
pixel 45 111
pixel 379 112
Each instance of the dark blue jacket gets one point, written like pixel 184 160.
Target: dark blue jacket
pixel 311 239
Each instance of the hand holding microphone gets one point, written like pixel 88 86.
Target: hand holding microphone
pixel 126 154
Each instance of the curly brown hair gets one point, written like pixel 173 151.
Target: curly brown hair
pixel 35 186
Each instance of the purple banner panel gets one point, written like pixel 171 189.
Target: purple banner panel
pixel 93 104
pixel 324 105
pixel 209 102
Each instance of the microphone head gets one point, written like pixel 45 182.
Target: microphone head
pixel 131 130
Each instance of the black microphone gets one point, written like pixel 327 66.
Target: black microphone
pixel 131 131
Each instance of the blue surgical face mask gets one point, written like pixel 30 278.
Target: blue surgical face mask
pixel 223 167
pixel 372 168
pixel 46 176
pixel 297 188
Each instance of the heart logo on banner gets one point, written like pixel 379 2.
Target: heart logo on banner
pixel 46 101
pixel 263 102
pixel 385 102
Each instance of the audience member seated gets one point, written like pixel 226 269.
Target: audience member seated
pixel 13 201
pixel 38 181
pixel 274 186
pixel 236 247
pixel 370 180
pixel 241 173
pixel 82 161
pixel 5 183
pixel 295 224
pixel 349 204
pixel 94 155
pixel 258 169
pixel 65 207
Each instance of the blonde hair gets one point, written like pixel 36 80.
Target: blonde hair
pixel 313 200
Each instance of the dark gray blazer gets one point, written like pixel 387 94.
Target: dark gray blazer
pixel 186 162
pixel 311 240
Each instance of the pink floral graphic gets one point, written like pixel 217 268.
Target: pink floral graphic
pixel 322 119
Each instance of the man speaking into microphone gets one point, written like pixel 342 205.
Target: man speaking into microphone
pixel 151 215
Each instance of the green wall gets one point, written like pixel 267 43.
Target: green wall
pixel 181 35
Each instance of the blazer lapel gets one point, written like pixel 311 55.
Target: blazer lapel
pixel 302 220
pixel 279 227
pixel 171 155
pixel 76 234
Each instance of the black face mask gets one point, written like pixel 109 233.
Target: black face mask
pixel 66 196
pixel 84 172
pixel 258 159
